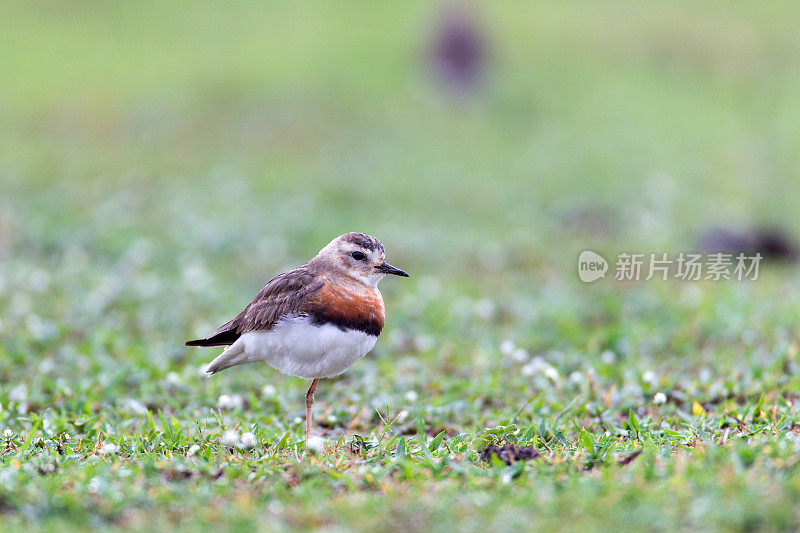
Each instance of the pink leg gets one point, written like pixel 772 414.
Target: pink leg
pixel 309 403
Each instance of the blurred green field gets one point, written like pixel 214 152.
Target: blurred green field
pixel 159 163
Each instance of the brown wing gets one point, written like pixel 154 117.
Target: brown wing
pixel 283 295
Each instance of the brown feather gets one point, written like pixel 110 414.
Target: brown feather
pixel 283 295
pixel 348 306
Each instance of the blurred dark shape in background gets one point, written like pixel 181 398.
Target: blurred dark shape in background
pixel 588 220
pixel 771 242
pixel 458 50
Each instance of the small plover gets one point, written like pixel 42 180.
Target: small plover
pixel 314 321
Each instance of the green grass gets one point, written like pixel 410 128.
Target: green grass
pixel 158 165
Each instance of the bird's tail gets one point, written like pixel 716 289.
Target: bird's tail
pixel 232 356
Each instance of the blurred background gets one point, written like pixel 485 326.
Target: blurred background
pixel 159 163
pixel 441 127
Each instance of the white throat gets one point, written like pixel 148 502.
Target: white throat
pixel 370 280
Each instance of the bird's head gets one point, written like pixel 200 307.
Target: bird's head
pixel 358 256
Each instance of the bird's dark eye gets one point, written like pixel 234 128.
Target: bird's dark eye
pixel 358 256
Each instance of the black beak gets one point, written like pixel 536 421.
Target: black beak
pixel 386 268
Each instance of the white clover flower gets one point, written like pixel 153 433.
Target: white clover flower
pixel 39 328
pixel 8 433
pixel 423 343
pixel 576 377
pixel 315 444
pixel 412 396
pixel 268 391
pixel 691 295
pixel 193 449
pixel 507 346
pixel 248 441
pixel 173 378
pixel 95 485
pixel 39 280
pixel 608 357
pixel 18 393
pixel 485 309
pixel 659 398
pixel 520 355
pixel 109 449
pixel 536 365
pixel 135 406
pixel 47 366
pixel 649 377
pixel 551 373
pixel 195 277
pixel 402 416
pixel 230 401
pixel 230 438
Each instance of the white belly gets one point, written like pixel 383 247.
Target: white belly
pixel 296 347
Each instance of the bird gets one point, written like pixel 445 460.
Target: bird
pixel 312 322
